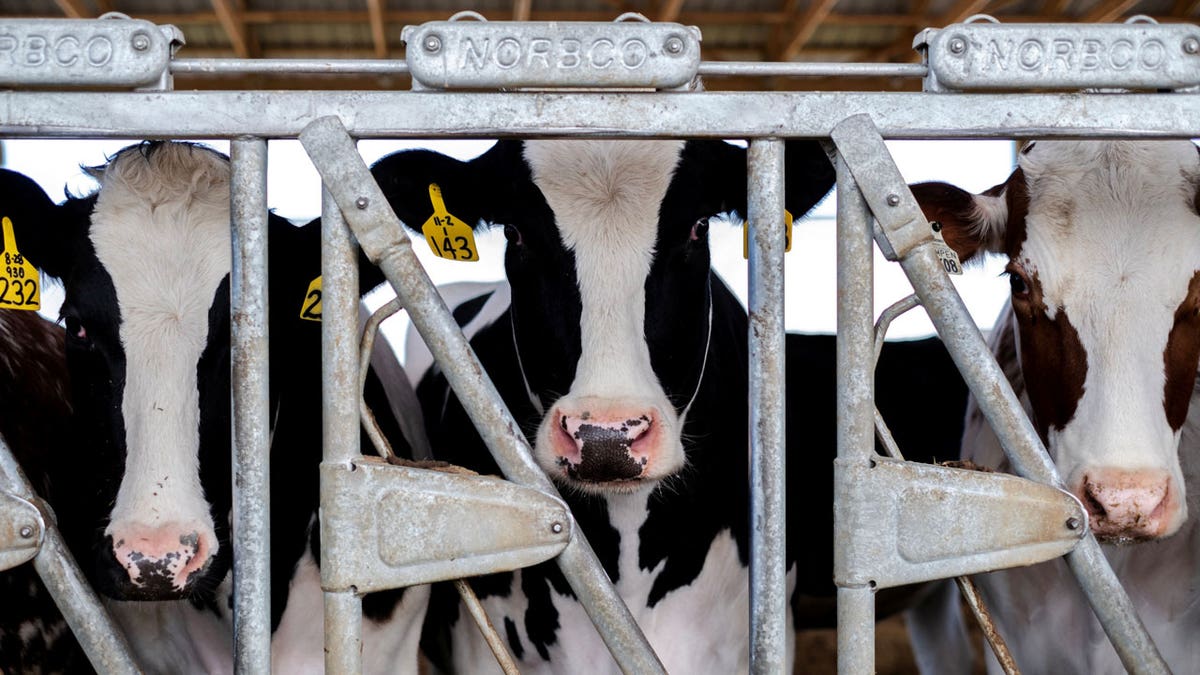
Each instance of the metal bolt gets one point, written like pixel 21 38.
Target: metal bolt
pixel 362 203
pixel 673 45
pixel 141 42
pixel 958 46
pixel 1191 46
pixel 26 532
pixel 433 44
pixel 893 200
pixel 556 528
pixel 1072 523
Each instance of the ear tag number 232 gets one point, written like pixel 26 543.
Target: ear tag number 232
pixel 448 237
pixel 20 286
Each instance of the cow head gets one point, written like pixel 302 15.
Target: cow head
pixel 609 266
pixel 1103 243
pixel 145 263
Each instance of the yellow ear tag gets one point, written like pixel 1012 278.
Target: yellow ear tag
pixel 787 224
pixel 20 285
pixel 310 309
pixel 447 236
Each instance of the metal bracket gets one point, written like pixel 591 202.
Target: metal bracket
pixel 989 56
pixel 398 526
pixel 552 54
pixel 115 51
pixel 917 522
pixel 21 530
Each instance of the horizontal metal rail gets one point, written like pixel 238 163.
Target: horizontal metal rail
pixel 284 114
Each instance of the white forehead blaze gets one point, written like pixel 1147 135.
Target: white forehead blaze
pixel 606 196
pixel 161 231
pixel 1113 240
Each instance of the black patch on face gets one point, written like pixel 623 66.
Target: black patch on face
pixel 469 309
pixel 213 379
pixel 605 454
pixel 514 638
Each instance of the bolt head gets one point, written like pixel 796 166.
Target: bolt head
pixel 958 46
pixel 362 203
pixel 1072 523
pixel 141 42
pixel 432 44
pixel 1191 46
pixel 893 200
pixel 26 532
pixel 673 45
pixel 556 528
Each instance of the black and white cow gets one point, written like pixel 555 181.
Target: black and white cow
pixel 624 357
pixel 145 263
pixel 1101 340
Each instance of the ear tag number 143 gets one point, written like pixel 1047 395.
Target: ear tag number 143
pixel 20 286
pixel 447 236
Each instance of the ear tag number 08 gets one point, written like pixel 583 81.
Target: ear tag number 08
pixel 448 237
pixel 310 309
pixel 945 254
pixel 20 285
pixel 787 246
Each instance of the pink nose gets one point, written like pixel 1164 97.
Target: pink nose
pixel 162 559
pixel 1127 504
pixel 601 448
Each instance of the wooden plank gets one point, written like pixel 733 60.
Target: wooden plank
pixel 1108 11
pixel 231 21
pixel 378 30
pixel 522 10
pixel 805 27
pixel 1185 8
pixel 670 10
pixel 73 9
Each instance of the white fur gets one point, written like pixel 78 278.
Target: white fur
pixel 161 230
pixel 606 197
pixel 699 628
pixel 175 638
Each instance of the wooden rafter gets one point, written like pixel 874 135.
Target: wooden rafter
pixel 1108 11
pixel 522 10
pixel 1184 8
pixel 804 28
pixel 902 46
pixel 230 18
pixel 670 10
pixel 1055 8
pixel 73 9
pixel 378 29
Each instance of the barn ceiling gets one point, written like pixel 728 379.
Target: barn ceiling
pixel 733 30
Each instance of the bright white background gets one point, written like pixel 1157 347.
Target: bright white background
pixel 293 190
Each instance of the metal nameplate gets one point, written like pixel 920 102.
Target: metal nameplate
pixel 82 52
pixel 986 56
pixel 503 54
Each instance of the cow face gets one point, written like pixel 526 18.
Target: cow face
pixel 608 261
pixel 145 264
pixel 1103 242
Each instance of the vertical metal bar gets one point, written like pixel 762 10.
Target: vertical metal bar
pixel 251 398
pixel 855 401
pixel 98 635
pixel 381 236
pixel 339 401
pixel 768 566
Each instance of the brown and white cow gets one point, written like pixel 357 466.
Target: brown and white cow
pixel 1102 340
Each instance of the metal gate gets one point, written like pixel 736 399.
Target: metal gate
pixel 621 93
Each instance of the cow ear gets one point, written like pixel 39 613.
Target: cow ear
pixel 42 229
pixel 808 174
pixel 971 223
pixel 478 192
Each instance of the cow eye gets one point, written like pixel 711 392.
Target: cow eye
pixel 75 330
pixel 1017 282
pixel 513 235
pixel 699 230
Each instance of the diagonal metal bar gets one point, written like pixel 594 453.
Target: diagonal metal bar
pixel 382 238
pixel 904 231
pixel 100 638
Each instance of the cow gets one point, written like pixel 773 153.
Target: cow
pixel 145 264
pixel 1101 341
pixel 623 356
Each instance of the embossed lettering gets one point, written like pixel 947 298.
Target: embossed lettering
pixel 1062 53
pixel 35 50
pixel 1090 57
pixel 8 45
pixel 508 53
pixel 997 56
pixel 66 51
pixel 1121 55
pixel 633 53
pixel 539 49
pixel 570 53
pixel 1029 54
pixel 1152 54
pixel 595 59
pixel 473 56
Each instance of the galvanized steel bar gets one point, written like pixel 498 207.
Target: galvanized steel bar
pixel 855 403
pixel 251 399
pixel 288 67
pixel 494 642
pixel 214 114
pixel 857 139
pixel 98 635
pixel 332 152
pixel 340 415
pixel 810 69
pixel 768 565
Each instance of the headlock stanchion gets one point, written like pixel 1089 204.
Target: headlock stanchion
pixel 525 521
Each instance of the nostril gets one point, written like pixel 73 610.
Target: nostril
pixel 1094 508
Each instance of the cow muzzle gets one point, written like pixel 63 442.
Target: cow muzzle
pixel 605 445
pixel 1125 505
pixel 158 563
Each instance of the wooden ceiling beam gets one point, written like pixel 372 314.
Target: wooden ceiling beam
pixel 230 18
pixel 73 9
pixel 805 27
pixel 378 29
pixel 1184 8
pixel 1108 11
pixel 522 10
pixel 670 9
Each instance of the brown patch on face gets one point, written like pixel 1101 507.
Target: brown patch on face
pixel 1052 357
pixel 955 209
pixel 1181 356
pixel 1016 196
